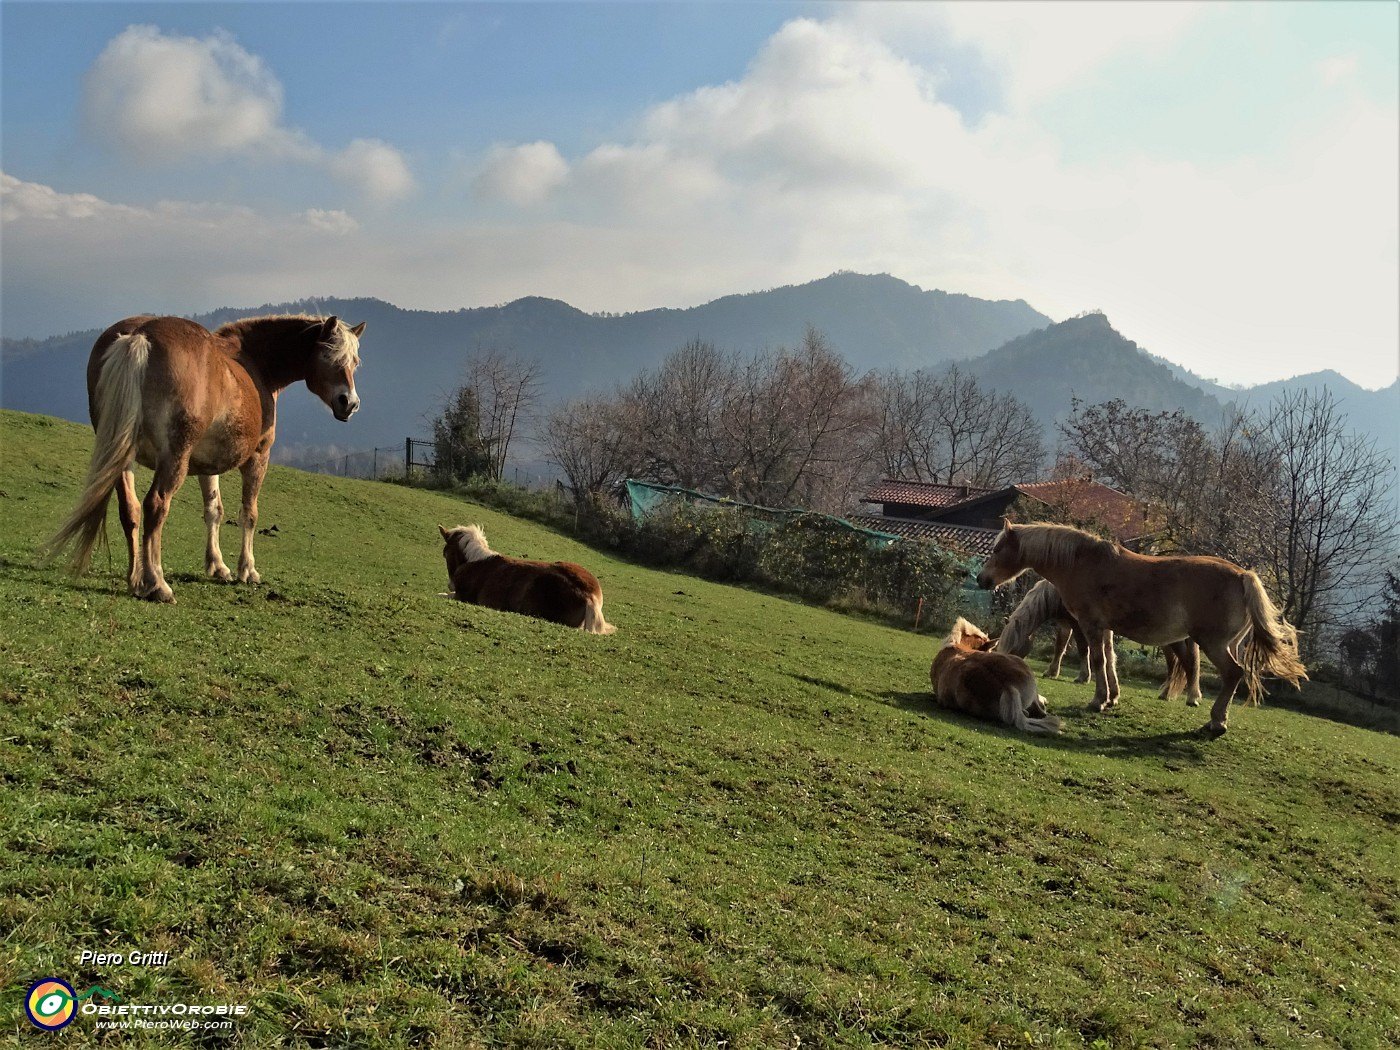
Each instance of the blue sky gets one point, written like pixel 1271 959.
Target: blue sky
pixel 1221 179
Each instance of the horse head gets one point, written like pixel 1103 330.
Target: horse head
pixel 967 637
pixel 332 375
pixel 1004 563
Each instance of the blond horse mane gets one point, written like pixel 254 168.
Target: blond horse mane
pixel 471 542
pixel 1040 605
pixel 1056 546
pixel 963 629
pixel 342 349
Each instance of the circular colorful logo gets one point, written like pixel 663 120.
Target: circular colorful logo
pixel 51 1003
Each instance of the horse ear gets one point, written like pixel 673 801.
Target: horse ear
pixel 358 330
pixel 443 531
pixel 329 325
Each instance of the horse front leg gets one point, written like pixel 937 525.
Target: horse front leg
pixel 1057 655
pixel 1083 647
pixel 214 566
pixel 170 475
pixel 253 472
pixel 129 511
pixel 1101 666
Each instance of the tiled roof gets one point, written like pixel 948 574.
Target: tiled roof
pixel 964 538
pixel 1091 501
pixel 922 493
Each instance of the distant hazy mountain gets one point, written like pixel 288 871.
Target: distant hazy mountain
pixel 413 358
pixel 1085 358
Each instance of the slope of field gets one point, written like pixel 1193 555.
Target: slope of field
pixel 377 818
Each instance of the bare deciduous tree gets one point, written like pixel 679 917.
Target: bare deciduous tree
pixel 945 427
pixel 507 390
pixel 1335 523
pixel 586 438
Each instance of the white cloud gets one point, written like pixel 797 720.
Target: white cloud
pixel 523 175
pixel 376 168
pixel 836 150
pixel 105 260
pixel 1037 48
pixel 161 100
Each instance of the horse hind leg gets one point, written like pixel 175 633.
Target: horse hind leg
pixel 129 512
pixel 170 475
pixel 214 566
pixel 1231 674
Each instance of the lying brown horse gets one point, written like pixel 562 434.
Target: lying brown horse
pixel 1155 601
pixel 993 686
pixel 1043 604
pixel 559 591
pixel 171 395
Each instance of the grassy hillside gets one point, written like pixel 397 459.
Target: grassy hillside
pixel 378 818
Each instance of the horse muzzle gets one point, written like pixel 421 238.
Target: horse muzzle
pixel 345 406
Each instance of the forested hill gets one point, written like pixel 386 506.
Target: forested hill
pixel 1086 359
pixel 413 357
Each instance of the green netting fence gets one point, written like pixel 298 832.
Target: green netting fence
pixel 818 556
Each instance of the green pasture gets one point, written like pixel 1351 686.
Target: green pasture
pixel 379 818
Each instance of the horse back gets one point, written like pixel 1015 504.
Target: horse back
pixel 554 591
pixel 1157 599
pixel 193 383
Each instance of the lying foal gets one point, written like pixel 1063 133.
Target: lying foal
pixel 988 685
pixel 559 591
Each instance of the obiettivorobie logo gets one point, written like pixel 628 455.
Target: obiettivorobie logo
pixel 52 1004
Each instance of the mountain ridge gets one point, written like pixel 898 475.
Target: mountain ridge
pixel 414 358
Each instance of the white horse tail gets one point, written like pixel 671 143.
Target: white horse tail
pixel 1272 648
pixel 117 404
pixel 593 621
pixel 1040 604
pixel 1013 712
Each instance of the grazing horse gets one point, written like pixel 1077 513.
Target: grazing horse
pixel 994 686
pixel 171 395
pixel 559 591
pixel 1043 604
pixel 1155 601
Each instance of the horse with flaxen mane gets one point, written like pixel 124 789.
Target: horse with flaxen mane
pixel 169 394
pixel 1043 604
pixel 558 591
pixel 993 686
pixel 1156 601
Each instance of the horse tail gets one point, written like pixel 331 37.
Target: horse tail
pixel 1013 712
pixel 593 621
pixel 117 406
pixel 1272 648
pixel 1176 676
pixel 1039 605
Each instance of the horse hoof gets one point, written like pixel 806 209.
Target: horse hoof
pixel 1212 730
pixel 1193 703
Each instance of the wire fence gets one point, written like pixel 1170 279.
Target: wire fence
pixel 372 464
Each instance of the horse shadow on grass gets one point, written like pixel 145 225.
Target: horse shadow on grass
pixel 1186 745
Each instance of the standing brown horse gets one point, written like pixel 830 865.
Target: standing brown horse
pixel 993 686
pixel 168 394
pixel 558 591
pixel 1155 601
pixel 1043 604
